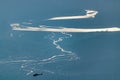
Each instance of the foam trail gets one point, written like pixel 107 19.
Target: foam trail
pixel 89 14
pixel 69 55
pixel 65 54
pixel 51 59
pixel 77 30
pixel 58 46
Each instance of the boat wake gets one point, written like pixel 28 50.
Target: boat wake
pixel 89 14
pixel 19 27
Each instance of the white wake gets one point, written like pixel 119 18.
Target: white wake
pixel 18 27
pixel 89 14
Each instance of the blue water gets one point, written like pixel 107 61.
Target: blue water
pixel 59 56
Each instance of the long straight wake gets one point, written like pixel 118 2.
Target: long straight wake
pixel 18 27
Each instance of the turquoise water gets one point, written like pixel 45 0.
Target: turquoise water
pixel 59 56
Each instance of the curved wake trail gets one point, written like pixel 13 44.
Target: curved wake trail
pixel 71 55
pixel 89 14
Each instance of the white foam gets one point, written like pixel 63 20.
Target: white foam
pixel 51 59
pixel 29 72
